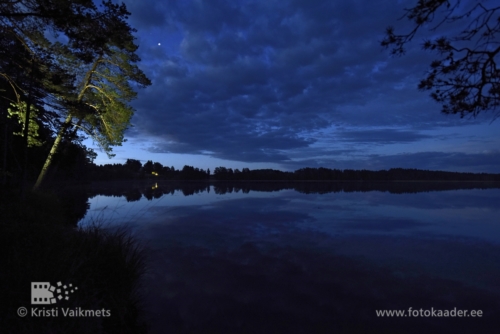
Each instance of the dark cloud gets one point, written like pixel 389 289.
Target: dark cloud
pixel 258 81
pixel 382 136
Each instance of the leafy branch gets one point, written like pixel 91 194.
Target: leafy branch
pixel 466 78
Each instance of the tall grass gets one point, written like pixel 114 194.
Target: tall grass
pixel 36 246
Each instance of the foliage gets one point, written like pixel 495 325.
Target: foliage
pixel 90 154
pixel 148 167
pixel 102 105
pixel 465 78
pixel 18 111
pixel 133 165
pixel 80 21
pixel 86 78
pixel 157 167
pixel 192 173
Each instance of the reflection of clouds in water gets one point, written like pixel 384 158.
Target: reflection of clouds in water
pixel 306 284
pixel 379 225
pixel 238 258
pixel 474 198
pixel 116 210
pixel 332 213
pixel 462 259
pixel 227 224
pixel 433 212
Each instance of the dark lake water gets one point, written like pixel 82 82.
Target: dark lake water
pixel 312 258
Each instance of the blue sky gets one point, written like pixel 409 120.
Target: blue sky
pixel 290 84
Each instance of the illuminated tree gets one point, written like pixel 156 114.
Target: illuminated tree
pixel 465 78
pixel 84 82
pixel 100 102
pixel 29 65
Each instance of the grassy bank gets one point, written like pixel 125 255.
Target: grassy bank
pixel 37 246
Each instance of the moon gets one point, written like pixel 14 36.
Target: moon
pixel 159 43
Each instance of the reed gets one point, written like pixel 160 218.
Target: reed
pixel 37 246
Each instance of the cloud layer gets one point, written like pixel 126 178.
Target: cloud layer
pixel 275 81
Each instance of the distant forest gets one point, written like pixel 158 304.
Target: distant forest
pixel 133 169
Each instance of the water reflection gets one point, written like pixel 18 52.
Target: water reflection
pixel 132 191
pixel 281 258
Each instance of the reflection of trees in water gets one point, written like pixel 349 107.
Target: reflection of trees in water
pixel 133 195
pixel 334 187
pixel 220 190
pixel 246 187
pixel 153 192
pixel 134 192
pixel 391 187
pixel 190 191
pixel 75 201
pixel 157 190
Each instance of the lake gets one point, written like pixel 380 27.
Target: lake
pixel 313 257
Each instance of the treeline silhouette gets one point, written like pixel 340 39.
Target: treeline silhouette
pixel 312 174
pixel 133 169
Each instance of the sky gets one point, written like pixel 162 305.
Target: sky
pixel 290 84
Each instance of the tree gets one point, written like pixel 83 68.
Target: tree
pixel 157 167
pixel 28 76
pixel 148 167
pixel 237 174
pixel 133 165
pixel 91 155
pixel 30 19
pixel 100 101
pixel 98 56
pixel 465 78
pixel 23 28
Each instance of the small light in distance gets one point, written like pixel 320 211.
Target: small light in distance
pixel 159 43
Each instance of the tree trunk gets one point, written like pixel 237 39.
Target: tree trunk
pixel 26 144
pixel 4 152
pixel 26 132
pixel 53 151
pixel 67 123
